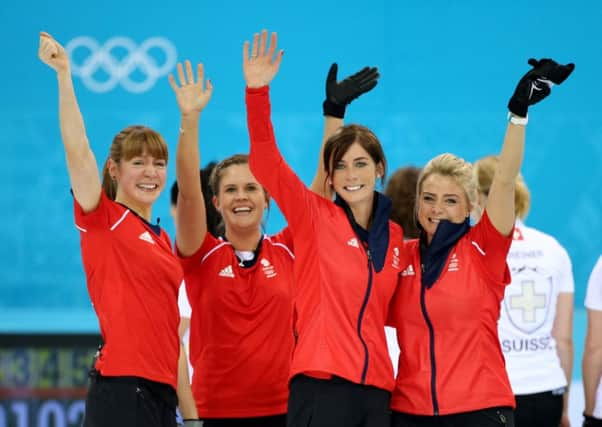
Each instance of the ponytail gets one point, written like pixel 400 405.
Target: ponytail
pixel 108 183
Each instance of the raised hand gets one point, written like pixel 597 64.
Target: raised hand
pixel 537 83
pixel 52 53
pixel 192 97
pixel 340 94
pixel 260 68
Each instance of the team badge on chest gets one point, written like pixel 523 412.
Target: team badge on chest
pixel 268 268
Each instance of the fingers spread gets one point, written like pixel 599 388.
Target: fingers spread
pixel 200 74
pixel 273 45
pixel 263 42
pixel 278 59
pixel 172 82
pixel 245 51
pixel 189 74
pixel 181 74
pixel 255 47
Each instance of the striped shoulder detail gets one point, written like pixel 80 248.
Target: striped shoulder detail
pixel 220 245
pixel 281 245
pixel 476 245
pixel 120 220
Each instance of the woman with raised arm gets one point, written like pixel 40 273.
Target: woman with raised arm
pixel 131 272
pixel 451 368
pixel 347 261
pixel 240 285
pixel 536 321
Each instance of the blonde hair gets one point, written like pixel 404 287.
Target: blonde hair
pixel 484 171
pixel 456 168
pixel 131 142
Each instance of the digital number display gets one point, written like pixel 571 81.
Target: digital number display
pixel 44 379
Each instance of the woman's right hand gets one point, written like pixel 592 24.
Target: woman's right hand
pixel 52 53
pixel 260 68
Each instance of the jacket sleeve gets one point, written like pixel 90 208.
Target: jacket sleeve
pixel 294 199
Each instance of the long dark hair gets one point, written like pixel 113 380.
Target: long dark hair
pixel 338 144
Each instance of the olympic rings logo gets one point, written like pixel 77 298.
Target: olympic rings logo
pixel 139 60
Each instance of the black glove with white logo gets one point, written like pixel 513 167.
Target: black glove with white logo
pixel 537 83
pixel 340 94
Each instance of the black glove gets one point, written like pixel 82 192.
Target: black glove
pixel 536 84
pixel 340 94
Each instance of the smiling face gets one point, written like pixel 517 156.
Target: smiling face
pixel 354 176
pixel 140 181
pixel 441 197
pixel 240 199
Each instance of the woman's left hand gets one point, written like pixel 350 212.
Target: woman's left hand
pixel 192 96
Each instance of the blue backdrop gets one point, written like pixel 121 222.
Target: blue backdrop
pixel 448 69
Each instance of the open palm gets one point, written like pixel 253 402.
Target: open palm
pixel 260 68
pixel 192 96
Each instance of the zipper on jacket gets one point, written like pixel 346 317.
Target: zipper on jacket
pixel 432 350
pixel 361 317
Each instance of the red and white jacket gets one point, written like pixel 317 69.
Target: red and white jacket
pixel 241 333
pixel 341 301
pixel 450 357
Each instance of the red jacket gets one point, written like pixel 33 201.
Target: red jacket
pixel 341 301
pixel 448 333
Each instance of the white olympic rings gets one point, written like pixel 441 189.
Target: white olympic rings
pixel 138 60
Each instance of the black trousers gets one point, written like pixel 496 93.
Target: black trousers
pixel 129 402
pixel 539 409
pixel 489 417
pixel 336 402
pixel 271 421
pixel 591 421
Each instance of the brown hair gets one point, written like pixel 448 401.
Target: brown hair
pixel 218 172
pixel 338 144
pixel 131 142
pixel 484 172
pixel 401 189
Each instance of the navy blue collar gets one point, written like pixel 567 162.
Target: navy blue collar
pixel 155 227
pixel 434 256
pixel 376 239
